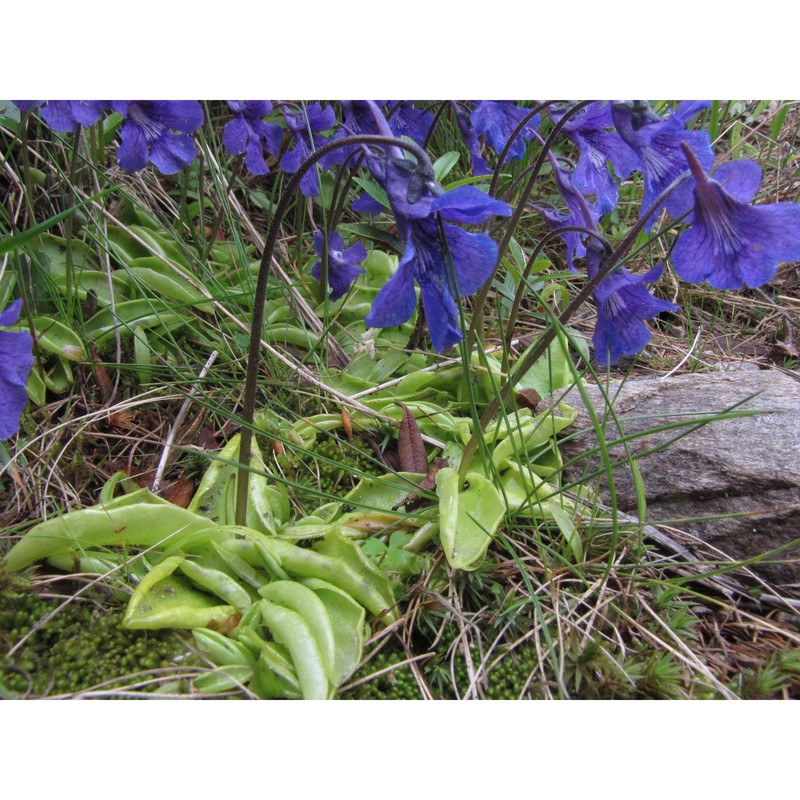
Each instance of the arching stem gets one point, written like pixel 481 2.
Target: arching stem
pixel 259 300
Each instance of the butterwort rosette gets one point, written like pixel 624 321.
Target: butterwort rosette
pixel 446 261
pixel 16 361
pixel 730 242
pixel 158 131
pixel 248 133
pixel 623 305
pixel 657 143
pixel 343 263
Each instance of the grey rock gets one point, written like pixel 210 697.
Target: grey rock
pixel 742 465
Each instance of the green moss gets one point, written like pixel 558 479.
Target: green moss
pixel 82 646
pixel 396 684
pixel 335 466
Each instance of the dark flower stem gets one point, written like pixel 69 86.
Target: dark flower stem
pixel 480 299
pixel 209 243
pixel 607 266
pixel 341 187
pixel 510 143
pixel 512 317
pixel 443 106
pixel 259 300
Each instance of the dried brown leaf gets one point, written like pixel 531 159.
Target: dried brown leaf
pixel 428 483
pixel 123 420
pixel 346 424
pixel 410 447
pixel 207 439
pixel 182 492
pixel 101 374
pixel 529 398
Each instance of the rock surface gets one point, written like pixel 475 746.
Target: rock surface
pixel 746 464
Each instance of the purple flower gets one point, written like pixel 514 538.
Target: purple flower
pixel 307 127
pixel 739 178
pixel 497 119
pixel 623 304
pixel 403 118
pixel 358 116
pixel 458 266
pixel 590 130
pixel 343 263
pixel 16 360
pixel 66 115
pixel 464 122
pixel 579 212
pixel 248 133
pixel 657 142
pixel 366 204
pixel 149 133
pixel 730 242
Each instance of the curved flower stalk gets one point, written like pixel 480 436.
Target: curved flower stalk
pixel 248 133
pixel 259 299
pixel 657 143
pixel 429 249
pixel 158 131
pixel 732 243
pixel 342 262
pixel 16 361
pixel 367 117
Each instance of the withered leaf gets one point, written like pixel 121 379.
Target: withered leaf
pixel 410 447
pixel 225 626
pixel 428 483
pixel 182 492
pixel 122 420
pixel 101 375
pixel 528 398
pixel 387 457
pixel 346 424
pixel 207 439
